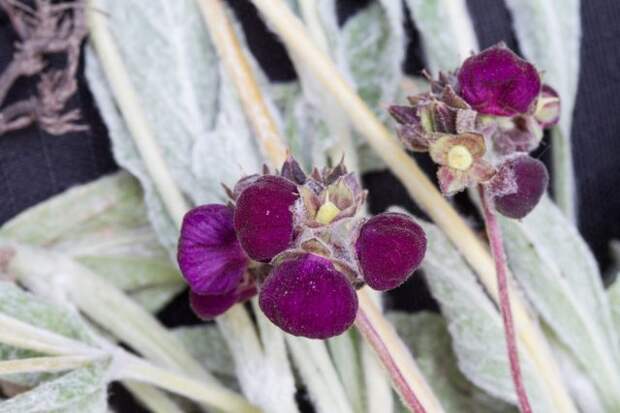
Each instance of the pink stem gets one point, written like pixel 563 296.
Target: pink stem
pixel 497 249
pixel 365 327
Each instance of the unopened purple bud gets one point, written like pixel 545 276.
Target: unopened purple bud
pixel 518 186
pixel 548 107
pixel 263 218
pixel 389 248
pixel 209 254
pixel 498 82
pixel 307 296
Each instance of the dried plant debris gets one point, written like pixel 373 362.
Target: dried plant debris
pixel 46 30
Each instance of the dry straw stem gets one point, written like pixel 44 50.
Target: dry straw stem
pixel 239 69
pixel 293 34
pixel 407 378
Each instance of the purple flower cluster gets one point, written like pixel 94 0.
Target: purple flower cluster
pixel 480 123
pixel 295 240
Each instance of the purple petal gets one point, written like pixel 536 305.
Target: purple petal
pixel 498 82
pixel 306 296
pixel 519 185
pixel 389 248
pixel 208 307
pixel 263 218
pixel 209 254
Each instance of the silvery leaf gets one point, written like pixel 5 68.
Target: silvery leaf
pixel 448 36
pixel 308 135
pixel 102 225
pixel 373 43
pixel 207 345
pixel 475 324
pixel 560 277
pixel 38 312
pixel 345 353
pixel 82 390
pixel 191 107
pixel 426 334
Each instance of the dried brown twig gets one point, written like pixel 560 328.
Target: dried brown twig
pixel 43 30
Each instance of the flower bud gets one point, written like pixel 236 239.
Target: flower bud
pixel 307 296
pixel 518 186
pixel 548 107
pixel 498 82
pixel 389 248
pixel 209 254
pixel 263 217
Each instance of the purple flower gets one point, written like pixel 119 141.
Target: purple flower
pixel 498 82
pixel 209 254
pixel 389 248
pixel 208 307
pixel 518 186
pixel 305 295
pixel 263 217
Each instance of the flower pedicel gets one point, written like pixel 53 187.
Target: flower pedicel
pixel 297 242
pixel 479 125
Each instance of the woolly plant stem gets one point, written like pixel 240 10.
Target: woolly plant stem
pixel 374 327
pixel 421 189
pixel 494 234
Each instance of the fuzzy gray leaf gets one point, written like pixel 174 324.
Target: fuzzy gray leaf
pixel 447 32
pixel 373 42
pixel 103 225
pixel 426 334
pixel 191 106
pixel 475 324
pixel 208 346
pixel 82 390
pixel 560 277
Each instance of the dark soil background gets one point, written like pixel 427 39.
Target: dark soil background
pixel 35 165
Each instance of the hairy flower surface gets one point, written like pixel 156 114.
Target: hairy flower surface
pixel 478 120
pixel 209 254
pixel 519 185
pixel 498 82
pixel 295 239
pixel 389 248
pixel 307 296
pixel 263 216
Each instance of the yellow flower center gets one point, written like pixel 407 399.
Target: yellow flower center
pixel 327 212
pixel 460 158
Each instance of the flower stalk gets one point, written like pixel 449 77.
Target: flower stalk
pixel 421 189
pixel 496 243
pixel 374 327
